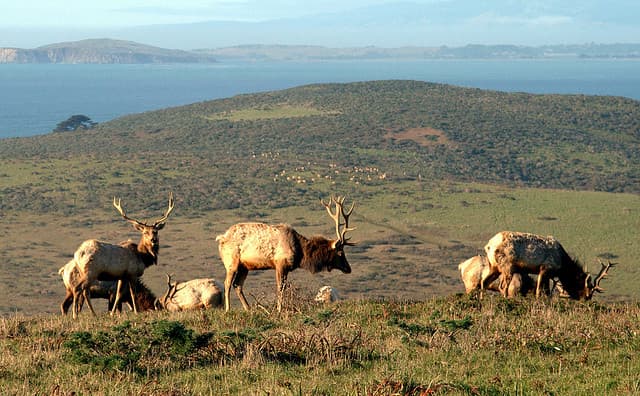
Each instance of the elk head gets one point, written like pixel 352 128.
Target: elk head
pixel 149 242
pixel 590 287
pixel 339 259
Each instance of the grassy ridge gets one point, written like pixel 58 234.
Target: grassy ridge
pixel 454 345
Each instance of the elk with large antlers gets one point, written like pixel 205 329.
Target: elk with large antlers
pixel 97 260
pixel 511 252
pixel 257 246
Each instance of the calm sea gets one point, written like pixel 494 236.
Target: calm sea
pixel 34 98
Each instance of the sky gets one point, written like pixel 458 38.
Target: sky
pixel 189 24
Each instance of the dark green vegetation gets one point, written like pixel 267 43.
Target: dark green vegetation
pixel 455 345
pixel 74 123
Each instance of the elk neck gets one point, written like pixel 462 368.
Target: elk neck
pixel 317 253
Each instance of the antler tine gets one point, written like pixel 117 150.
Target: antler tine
pixel 335 216
pixel 168 212
pixel 339 201
pixel 604 271
pixel 118 207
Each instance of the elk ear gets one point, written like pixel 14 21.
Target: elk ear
pixel 138 227
pixel 336 245
pixel 159 226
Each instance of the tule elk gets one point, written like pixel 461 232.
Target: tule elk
pixel 248 247
pixel 326 295
pixel 97 260
pixel 510 252
pixel 194 294
pixel 472 269
pixel 103 289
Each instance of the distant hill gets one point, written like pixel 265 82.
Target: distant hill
pixel 310 52
pixel 404 130
pixel 100 51
pixel 118 51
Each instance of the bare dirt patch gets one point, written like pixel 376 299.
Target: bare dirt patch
pixel 423 136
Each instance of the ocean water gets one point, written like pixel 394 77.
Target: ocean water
pixel 34 98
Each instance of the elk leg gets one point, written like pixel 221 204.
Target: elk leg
pixel 66 303
pixel 541 279
pixel 229 281
pixel 133 297
pixel 87 296
pixel 238 282
pixel 281 278
pixel 118 296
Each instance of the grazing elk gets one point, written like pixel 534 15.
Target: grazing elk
pixel 194 294
pixel 471 271
pixel 97 260
pixel 103 289
pixel 247 247
pixel 510 252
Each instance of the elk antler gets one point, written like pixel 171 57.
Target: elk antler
pixel 168 212
pixel 339 202
pixel 158 222
pixel 121 211
pixel 601 275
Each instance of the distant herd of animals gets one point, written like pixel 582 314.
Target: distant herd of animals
pixel 112 271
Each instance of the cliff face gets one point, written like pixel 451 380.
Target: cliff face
pixel 100 51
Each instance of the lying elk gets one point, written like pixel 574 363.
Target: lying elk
pixel 103 289
pixel 256 246
pixel 327 295
pixel 127 261
pixel 511 252
pixel 471 271
pixel 194 294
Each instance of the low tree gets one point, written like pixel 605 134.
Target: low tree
pixel 75 122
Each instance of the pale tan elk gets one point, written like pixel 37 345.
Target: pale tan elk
pixel 97 260
pixel 327 295
pixel 510 252
pixel 472 269
pixel 103 289
pixel 248 247
pixel 200 293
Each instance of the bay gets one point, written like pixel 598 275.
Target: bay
pixel 35 97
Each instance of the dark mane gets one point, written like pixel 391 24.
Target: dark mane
pixel 571 274
pixel 145 299
pixel 315 250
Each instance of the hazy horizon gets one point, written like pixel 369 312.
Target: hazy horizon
pixel 193 24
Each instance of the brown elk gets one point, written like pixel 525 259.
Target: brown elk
pixel 511 252
pixel 103 289
pixel 200 293
pixel 97 260
pixel 472 269
pixel 247 247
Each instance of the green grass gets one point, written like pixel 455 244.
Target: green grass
pixel 454 345
pixel 269 113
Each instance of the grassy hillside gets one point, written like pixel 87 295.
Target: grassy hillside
pixel 435 170
pixel 455 346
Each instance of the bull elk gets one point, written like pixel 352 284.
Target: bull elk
pixel 247 247
pixel 511 252
pixel 97 260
